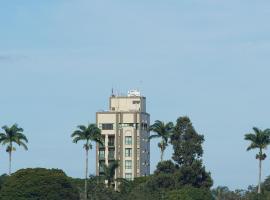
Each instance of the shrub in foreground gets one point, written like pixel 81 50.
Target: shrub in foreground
pixel 38 183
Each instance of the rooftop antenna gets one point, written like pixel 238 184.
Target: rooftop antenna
pixel 112 93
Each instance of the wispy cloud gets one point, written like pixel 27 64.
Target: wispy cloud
pixel 11 57
pixel 4 57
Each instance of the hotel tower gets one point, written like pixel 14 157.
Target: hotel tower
pixel 125 130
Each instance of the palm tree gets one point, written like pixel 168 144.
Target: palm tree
pixel 109 171
pixel 87 133
pixel 162 131
pixel 260 140
pixel 13 134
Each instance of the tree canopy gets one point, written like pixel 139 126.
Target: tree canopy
pixel 38 183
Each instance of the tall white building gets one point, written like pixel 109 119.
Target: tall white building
pixel 125 131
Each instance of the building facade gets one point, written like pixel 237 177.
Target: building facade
pixel 124 128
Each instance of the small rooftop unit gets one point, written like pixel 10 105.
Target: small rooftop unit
pixel 134 93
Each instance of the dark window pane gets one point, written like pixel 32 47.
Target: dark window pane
pixel 107 126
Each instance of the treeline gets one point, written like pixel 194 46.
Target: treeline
pixel 251 193
pixel 183 177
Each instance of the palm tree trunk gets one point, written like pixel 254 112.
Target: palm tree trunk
pixel 86 175
pixel 9 168
pixel 260 176
pixel 161 154
pixel 10 154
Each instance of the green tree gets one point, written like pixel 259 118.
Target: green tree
pixel 187 145
pixel 3 178
pixel 109 172
pixel 189 193
pixel 259 140
pixel 194 175
pixel 166 167
pixel 38 183
pixel 162 131
pixel 13 134
pixel 88 134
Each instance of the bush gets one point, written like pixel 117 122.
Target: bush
pixel 38 184
pixel 189 193
pixel 3 178
pixel 167 167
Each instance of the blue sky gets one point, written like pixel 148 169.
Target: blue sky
pixel 207 59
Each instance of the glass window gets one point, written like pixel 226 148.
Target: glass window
pixel 107 126
pixel 136 102
pixel 128 164
pixel 111 154
pixel 111 141
pixel 144 126
pixel 128 176
pixel 128 140
pixel 128 152
pixel 101 166
pixel 101 154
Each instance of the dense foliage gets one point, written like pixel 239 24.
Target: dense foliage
pixel 223 193
pixel 184 177
pixel 187 145
pixel 39 183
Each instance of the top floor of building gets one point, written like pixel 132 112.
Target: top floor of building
pixel 132 102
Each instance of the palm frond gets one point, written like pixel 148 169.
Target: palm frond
pixel 77 139
pixel 153 136
pixel 257 130
pixel 87 133
pixel 252 146
pixel 82 127
pixel 23 144
pixel 21 136
pixel 77 133
pixel 250 136
pixel 259 139
pixel 5 128
pixel 13 134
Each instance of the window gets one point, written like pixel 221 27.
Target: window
pixel 123 125
pixel 128 140
pixel 128 176
pixel 103 140
pixel 113 108
pixel 111 141
pixel 101 166
pixel 128 164
pixel 136 102
pixel 101 154
pixel 130 124
pixel 107 126
pixel 111 154
pixel 144 126
pixel 128 152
